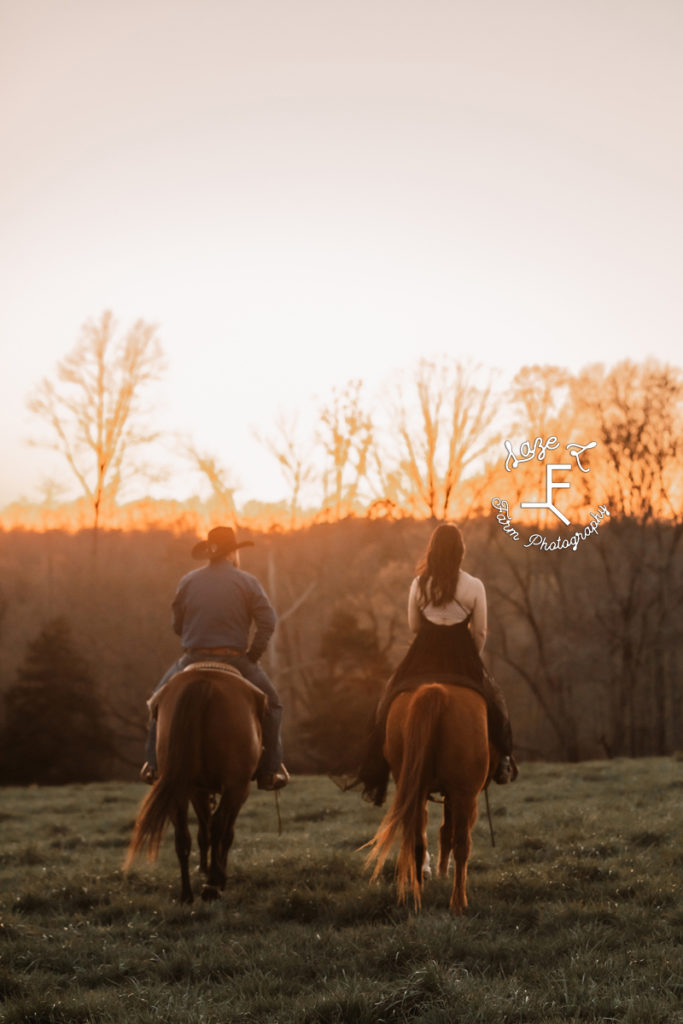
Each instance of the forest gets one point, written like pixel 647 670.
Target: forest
pixel 584 589
pixel 586 644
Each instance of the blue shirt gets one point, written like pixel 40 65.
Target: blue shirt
pixel 215 607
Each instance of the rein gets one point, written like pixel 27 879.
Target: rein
pixel 488 814
pixel 277 810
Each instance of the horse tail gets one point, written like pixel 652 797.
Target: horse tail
pixel 183 763
pixel 405 817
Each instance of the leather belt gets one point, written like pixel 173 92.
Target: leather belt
pixel 213 650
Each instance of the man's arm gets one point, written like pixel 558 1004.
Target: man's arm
pixel 178 611
pixel 264 617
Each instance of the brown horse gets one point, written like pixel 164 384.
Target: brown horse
pixel 436 741
pixel 208 742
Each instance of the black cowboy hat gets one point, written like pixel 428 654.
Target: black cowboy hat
pixel 220 541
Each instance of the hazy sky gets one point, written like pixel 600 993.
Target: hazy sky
pixel 300 193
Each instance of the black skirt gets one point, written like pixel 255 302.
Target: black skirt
pixel 438 654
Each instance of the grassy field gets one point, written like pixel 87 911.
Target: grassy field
pixel 575 914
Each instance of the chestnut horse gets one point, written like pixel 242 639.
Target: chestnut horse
pixel 208 742
pixel 436 741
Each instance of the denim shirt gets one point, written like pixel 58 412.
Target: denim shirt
pixel 215 607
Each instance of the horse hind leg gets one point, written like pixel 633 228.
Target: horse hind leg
pixel 464 817
pixel 445 838
pixel 422 862
pixel 222 835
pixel 201 801
pixel 183 845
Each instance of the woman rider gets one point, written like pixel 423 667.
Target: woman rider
pixel 447 613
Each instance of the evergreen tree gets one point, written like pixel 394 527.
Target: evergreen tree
pixel 341 705
pixel 54 725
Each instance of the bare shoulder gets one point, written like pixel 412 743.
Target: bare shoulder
pixel 470 586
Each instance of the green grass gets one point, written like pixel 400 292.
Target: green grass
pixel 575 915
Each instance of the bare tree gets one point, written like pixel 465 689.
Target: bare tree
pixel 539 397
pixel 347 436
pixel 534 633
pixel 94 409
pixel 595 635
pixel 539 404
pixel 223 490
pixel 636 411
pixel 444 434
pixel 293 457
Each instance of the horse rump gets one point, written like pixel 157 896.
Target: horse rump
pixel 182 764
pixel 436 741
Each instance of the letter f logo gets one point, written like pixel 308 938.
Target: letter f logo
pixel 550 486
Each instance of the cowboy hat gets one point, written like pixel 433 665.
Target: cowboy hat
pixel 220 541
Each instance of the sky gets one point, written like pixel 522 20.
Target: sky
pixel 304 192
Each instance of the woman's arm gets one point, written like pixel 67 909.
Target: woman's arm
pixel 413 607
pixel 478 624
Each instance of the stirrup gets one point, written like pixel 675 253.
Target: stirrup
pixel 504 772
pixel 273 780
pixel 148 773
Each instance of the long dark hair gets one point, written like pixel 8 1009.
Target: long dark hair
pixel 438 570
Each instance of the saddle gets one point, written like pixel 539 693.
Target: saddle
pixel 213 666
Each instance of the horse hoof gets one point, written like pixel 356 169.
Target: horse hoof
pixel 186 897
pixel 210 893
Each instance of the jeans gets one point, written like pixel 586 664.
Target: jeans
pixel 272 756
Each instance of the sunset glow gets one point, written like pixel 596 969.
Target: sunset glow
pixel 301 195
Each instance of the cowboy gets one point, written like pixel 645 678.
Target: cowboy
pixel 214 609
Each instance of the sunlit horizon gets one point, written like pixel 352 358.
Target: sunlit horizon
pixel 302 195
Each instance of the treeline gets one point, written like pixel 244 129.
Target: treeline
pixel 587 643
pixel 429 445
